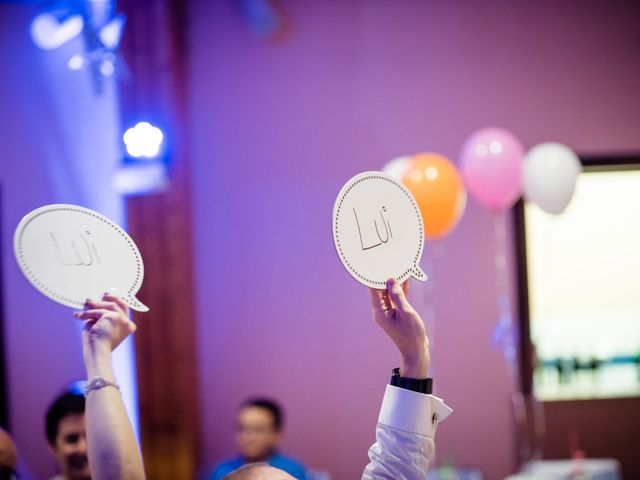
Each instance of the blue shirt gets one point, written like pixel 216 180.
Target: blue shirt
pixel 289 465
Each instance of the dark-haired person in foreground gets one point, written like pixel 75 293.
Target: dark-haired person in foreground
pixel 408 418
pixel 65 429
pixel 259 424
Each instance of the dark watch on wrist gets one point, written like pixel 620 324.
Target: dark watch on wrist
pixel 422 385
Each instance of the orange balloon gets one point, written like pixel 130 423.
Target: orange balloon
pixel 437 187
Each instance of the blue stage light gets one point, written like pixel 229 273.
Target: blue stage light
pixel 100 27
pixel 50 31
pixel 141 178
pixel 143 140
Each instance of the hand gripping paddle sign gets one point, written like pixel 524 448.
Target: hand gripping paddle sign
pixel 71 253
pixel 378 230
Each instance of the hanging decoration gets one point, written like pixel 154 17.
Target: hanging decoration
pixel 438 189
pixel 491 165
pixel 397 167
pixel 495 172
pixel 549 176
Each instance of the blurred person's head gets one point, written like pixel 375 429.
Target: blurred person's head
pixel 259 429
pixel 258 471
pixel 8 456
pixel 66 434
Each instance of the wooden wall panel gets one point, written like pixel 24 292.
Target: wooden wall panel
pixel 153 48
pixel 165 351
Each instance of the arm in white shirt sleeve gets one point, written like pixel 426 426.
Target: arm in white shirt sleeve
pixel 404 436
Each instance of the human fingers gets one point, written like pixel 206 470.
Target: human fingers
pixel 107 304
pixel 405 287
pixel 379 300
pixel 92 316
pixel 99 313
pixel 118 300
pixel 397 295
pixel 376 298
pixel 97 304
pixel 88 324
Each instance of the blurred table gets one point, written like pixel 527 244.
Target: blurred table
pixel 447 473
pixel 590 468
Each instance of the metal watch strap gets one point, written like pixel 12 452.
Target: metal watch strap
pixel 421 385
pixel 96 383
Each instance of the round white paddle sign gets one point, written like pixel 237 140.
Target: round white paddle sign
pixel 71 253
pixel 377 230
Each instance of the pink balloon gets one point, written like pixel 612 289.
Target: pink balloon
pixel 491 165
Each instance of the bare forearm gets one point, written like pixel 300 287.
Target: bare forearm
pixel 113 451
pixel 415 364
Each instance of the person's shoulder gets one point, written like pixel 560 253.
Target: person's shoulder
pixel 290 465
pixel 226 467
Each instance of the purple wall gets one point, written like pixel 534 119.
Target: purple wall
pixel 279 125
pixel 59 144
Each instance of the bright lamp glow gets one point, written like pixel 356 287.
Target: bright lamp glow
pixel 141 179
pixel 76 62
pixel 143 140
pixel 111 34
pixel 107 68
pixel 48 32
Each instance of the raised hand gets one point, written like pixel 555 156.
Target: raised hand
pixel 113 451
pixel 107 323
pixel 395 315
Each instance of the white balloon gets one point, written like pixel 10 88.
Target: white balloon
pixel 549 174
pixel 397 167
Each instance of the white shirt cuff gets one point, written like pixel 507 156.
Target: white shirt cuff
pixel 411 411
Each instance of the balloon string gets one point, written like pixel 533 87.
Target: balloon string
pixel 527 411
pixel 505 331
